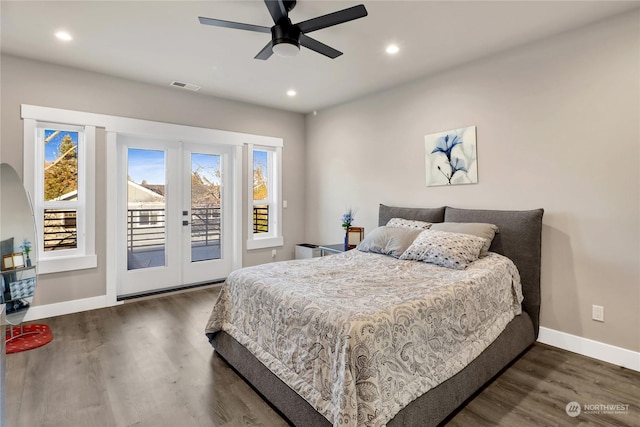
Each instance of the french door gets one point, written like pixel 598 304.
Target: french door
pixel 175 214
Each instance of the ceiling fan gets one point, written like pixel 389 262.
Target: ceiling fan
pixel 286 38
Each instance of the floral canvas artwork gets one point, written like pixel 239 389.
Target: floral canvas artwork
pixel 451 157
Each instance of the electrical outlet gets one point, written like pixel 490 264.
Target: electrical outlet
pixel 273 253
pixel 597 313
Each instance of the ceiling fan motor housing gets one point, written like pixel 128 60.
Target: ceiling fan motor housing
pixel 289 4
pixel 285 33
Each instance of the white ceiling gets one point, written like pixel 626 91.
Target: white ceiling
pixel 162 41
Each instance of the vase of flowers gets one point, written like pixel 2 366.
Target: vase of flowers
pixel 25 247
pixel 347 220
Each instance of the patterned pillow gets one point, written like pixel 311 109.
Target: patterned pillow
pixel 389 240
pixel 480 229
pixel 408 223
pixel 451 250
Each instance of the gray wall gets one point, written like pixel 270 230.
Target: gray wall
pixel 30 82
pixel 558 127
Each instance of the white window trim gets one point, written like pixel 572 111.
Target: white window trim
pixel 84 256
pixel 274 237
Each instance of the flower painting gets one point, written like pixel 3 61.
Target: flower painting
pixel 451 158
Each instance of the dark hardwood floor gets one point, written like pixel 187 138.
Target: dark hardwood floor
pixel 148 363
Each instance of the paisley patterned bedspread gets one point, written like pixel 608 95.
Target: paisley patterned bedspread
pixel 361 335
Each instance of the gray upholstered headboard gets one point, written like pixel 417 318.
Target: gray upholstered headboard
pixel 519 239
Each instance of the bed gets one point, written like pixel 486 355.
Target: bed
pixel 354 392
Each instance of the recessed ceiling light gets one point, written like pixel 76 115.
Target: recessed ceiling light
pixel 64 36
pixel 392 49
pixel 291 92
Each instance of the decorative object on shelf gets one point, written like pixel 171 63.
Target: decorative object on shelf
pixel 23 288
pixel 451 157
pixel 347 220
pixel 26 248
pixel 13 261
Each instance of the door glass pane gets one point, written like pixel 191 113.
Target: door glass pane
pixel 205 207
pixel 146 207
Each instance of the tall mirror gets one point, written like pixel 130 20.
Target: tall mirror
pixel 17 244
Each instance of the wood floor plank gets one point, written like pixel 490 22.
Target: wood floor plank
pixel 148 363
pixel 536 389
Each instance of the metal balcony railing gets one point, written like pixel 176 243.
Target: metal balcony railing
pixel 261 219
pixel 205 226
pixel 60 229
pixel 146 227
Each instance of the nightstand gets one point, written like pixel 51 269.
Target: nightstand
pixel 331 249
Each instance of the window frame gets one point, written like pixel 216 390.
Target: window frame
pixel 41 205
pixel 273 237
pixel 36 119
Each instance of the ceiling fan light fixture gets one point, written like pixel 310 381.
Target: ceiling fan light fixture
pixel 285 49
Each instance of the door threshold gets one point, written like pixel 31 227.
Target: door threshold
pixel 168 291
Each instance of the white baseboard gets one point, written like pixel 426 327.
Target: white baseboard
pixel 590 348
pixel 38 312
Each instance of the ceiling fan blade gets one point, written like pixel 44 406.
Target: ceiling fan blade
pixel 332 19
pixel 266 52
pixel 276 9
pixel 319 47
pixel 236 25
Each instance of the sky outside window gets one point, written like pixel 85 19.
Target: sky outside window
pixel 52 147
pixel 148 165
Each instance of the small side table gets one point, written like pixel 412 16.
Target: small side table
pixel 331 249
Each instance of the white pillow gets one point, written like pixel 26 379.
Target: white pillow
pixel 408 223
pixel 451 250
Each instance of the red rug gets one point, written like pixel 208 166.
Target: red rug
pixel 33 336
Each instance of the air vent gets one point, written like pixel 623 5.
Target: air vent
pixel 187 86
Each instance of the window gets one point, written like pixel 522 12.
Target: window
pixel 59 198
pixel 265 229
pixel 59 174
pixel 262 169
